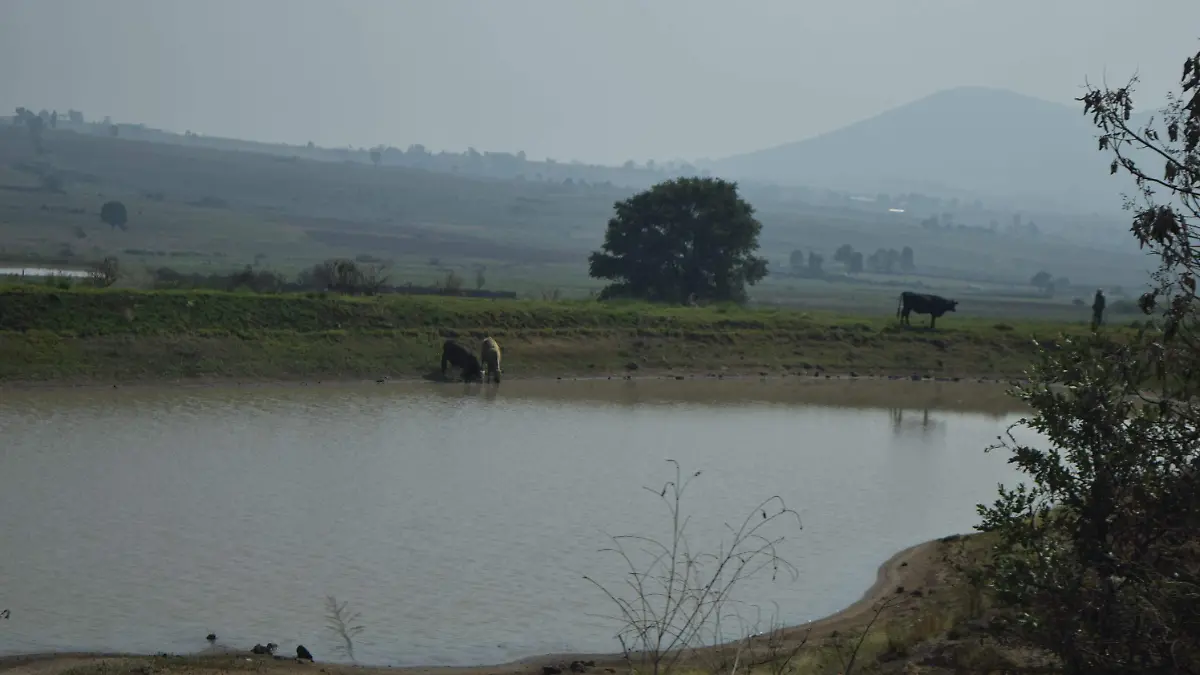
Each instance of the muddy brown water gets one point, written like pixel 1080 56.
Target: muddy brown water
pixel 459 520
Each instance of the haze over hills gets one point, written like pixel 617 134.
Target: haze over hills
pixel 966 141
pixel 1010 150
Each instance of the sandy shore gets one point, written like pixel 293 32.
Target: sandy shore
pixel 913 569
pixel 642 374
pixel 991 397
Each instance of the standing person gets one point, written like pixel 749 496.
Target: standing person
pixel 1098 309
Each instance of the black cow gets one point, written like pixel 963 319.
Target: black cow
pixel 924 303
pixel 454 354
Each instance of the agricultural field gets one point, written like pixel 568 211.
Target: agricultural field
pixel 198 209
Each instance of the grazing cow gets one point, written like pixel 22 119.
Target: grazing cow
pixel 454 354
pixel 489 355
pixel 924 303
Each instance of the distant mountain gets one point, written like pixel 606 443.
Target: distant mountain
pixel 966 141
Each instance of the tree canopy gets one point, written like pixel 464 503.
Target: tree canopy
pixel 114 214
pixel 681 238
pixel 1100 555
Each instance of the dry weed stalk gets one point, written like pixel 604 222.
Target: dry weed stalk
pixel 678 597
pixel 780 652
pixel 773 650
pixel 848 659
pixel 343 623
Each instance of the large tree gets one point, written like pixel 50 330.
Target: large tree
pixel 114 214
pixel 682 237
pixel 1100 555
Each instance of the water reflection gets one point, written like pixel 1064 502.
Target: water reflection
pixel 921 424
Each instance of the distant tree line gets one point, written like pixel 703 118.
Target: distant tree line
pixel 947 221
pixel 882 261
pixel 811 265
pixel 35 125
pixel 335 275
pixel 1047 284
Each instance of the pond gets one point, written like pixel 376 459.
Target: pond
pixel 459 520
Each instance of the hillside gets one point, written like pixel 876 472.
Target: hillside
pixel 971 140
pixel 200 209
pixel 485 164
pixel 196 206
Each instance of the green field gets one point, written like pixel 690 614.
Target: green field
pixel 87 335
pixel 195 208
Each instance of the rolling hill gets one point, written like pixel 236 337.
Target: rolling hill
pixel 967 141
pixel 203 209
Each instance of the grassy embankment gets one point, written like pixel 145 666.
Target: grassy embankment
pixel 84 335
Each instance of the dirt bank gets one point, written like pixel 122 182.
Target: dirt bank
pixel 645 374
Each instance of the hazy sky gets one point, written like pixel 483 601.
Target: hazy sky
pixel 595 80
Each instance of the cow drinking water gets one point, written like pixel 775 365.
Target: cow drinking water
pixel 924 303
pixel 489 355
pixel 454 354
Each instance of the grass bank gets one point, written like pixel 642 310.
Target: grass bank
pixel 89 335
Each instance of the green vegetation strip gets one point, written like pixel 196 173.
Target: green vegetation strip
pixel 49 334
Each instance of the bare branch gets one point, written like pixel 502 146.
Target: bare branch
pixel 680 599
pixel 343 623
